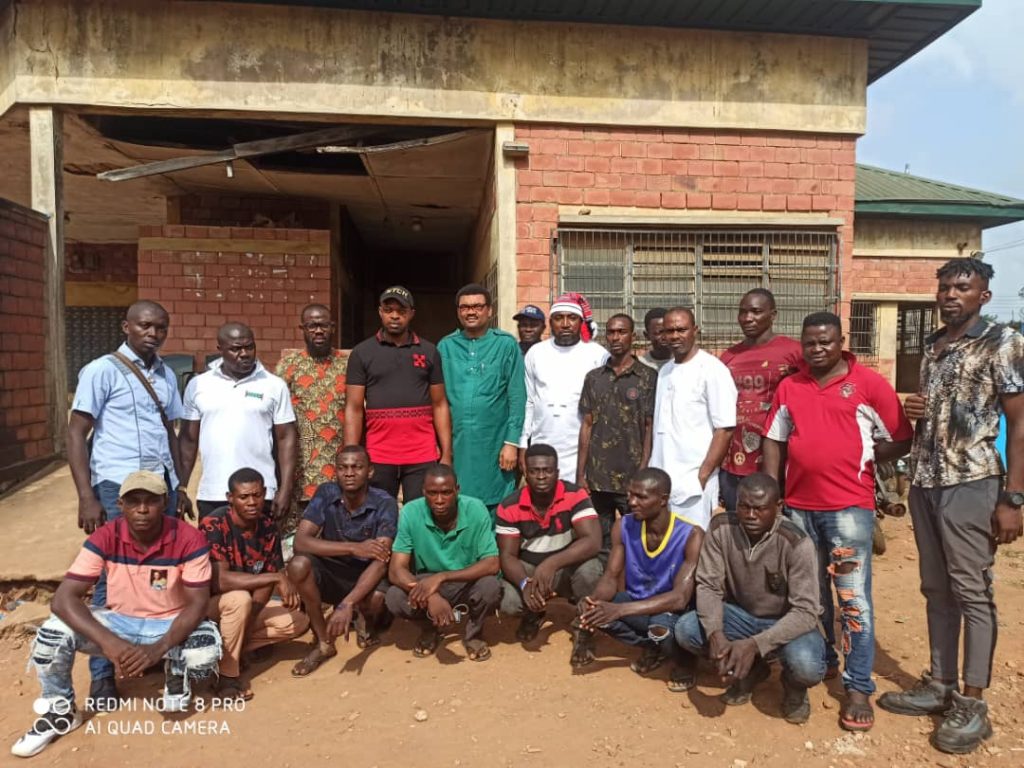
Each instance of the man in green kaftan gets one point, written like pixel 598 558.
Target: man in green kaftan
pixel 487 394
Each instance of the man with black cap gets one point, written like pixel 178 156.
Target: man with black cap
pixel 396 389
pixel 530 324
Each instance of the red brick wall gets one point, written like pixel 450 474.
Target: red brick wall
pixel 910 276
pixel 207 276
pixel 672 169
pixel 25 432
pixel 101 262
pixel 220 210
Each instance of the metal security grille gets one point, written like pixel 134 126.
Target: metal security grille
pixel 490 282
pixel 634 270
pixel 864 329
pixel 89 333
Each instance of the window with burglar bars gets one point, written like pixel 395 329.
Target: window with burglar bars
pixel 633 270
pixel 864 329
pixel 490 282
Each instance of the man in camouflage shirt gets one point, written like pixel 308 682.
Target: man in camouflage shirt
pixel 962 502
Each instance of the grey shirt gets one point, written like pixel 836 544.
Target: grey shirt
pixel 777 578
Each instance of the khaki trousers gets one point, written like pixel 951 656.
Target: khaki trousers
pixel 275 624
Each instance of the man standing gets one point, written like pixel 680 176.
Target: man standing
pixel 236 415
pixel 158 571
pixel 654 555
pixel 343 546
pixel 758 364
pixel 972 369
pixel 837 420
pixel 530 325
pixel 129 433
pixel 617 404
pixel 316 379
pixel 487 395
pixel 694 417
pixel 757 596
pixel 555 370
pixel 245 551
pixel 396 387
pixel 657 353
pixel 549 539
pixel 443 565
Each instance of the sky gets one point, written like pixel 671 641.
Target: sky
pixel 955 113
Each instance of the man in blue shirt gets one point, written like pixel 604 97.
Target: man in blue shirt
pixel 128 434
pixel 343 546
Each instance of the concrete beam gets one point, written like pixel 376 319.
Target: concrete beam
pixel 46 136
pixel 505 226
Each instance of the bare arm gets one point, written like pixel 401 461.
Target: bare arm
pixel 890 451
pixel 188 447
pixel 508 557
pixel 648 441
pixel 583 452
pixel 308 542
pixel 229 581
pixel 771 458
pixel 442 421
pixel 1007 524
pixel 355 411
pixel 716 453
pixel 677 598
pixel 586 544
pixel 608 584
pixel 401 576
pixel 399 572
pixel 91 514
pixel 287 438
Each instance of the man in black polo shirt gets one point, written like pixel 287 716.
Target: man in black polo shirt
pixel 617 404
pixel 395 385
pixel 343 546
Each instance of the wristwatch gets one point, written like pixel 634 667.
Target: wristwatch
pixel 1013 498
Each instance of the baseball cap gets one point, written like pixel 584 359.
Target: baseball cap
pixel 399 294
pixel 529 312
pixel 143 480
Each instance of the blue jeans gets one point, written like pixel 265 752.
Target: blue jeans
pixel 636 630
pixel 108 492
pixel 802 659
pixel 843 541
pixel 53 650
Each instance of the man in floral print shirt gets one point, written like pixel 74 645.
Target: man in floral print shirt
pixel 316 380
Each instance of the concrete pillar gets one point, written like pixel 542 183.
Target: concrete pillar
pixel 505 224
pixel 47 160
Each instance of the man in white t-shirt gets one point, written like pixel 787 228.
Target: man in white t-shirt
pixel 238 414
pixel 555 369
pixel 694 416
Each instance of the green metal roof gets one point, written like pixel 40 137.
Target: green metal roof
pixel 895 29
pixel 890 193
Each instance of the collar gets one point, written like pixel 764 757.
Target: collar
pixel 460 519
pixel 369 503
pixel 461 333
pixel 851 363
pixel 131 354
pixel 633 367
pixel 526 501
pixel 168 533
pixel 975 331
pixel 412 342
pixel 237 524
pixel 767 534
pixel 257 371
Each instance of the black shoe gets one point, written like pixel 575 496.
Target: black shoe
pixel 966 726
pixel 103 696
pixel 740 692
pixel 927 697
pixel 796 706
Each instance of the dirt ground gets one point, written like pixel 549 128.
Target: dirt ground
pixel 526 707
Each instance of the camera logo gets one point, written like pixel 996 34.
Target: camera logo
pixel 61 719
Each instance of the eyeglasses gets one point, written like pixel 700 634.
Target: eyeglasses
pixel 318 326
pixel 472 307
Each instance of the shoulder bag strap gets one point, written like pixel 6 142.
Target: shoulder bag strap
pixel 149 388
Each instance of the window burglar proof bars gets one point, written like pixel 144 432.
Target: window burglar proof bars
pixel 708 270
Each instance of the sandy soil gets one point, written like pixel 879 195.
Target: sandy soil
pixel 525 707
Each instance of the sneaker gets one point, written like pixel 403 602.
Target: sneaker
pixel 56 717
pixel 927 697
pixel 740 692
pixel 965 727
pixel 103 696
pixel 796 705
pixel 174 699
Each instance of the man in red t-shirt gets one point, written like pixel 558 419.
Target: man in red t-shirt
pixel 837 419
pixel 757 364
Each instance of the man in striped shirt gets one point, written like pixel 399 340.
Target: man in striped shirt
pixel 548 543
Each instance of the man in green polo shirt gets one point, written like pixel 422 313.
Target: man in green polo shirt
pixel 444 563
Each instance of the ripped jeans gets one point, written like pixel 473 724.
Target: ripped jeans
pixel 645 631
pixel 842 539
pixel 53 650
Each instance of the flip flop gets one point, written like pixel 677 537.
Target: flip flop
pixel 312 660
pixel 427 643
pixel 232 688
pixel 582 649
pixel 848 723
pixel 681 679
pixel 477 650
pixel 649 661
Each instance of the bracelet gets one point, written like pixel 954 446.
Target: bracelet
pixel 523 583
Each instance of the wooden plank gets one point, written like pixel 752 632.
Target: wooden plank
pixel 224 245
pixel 46 141
pixel 100 294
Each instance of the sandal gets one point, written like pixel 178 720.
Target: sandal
pixel 582 649
pixel 313 659
pixel 649 661
pixel 848 714
pixel 477 650
pixel 682 678
pixel 427 643
pixel 529 626
pixel 232 688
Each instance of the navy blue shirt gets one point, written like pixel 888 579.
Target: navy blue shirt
pixel 377 516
